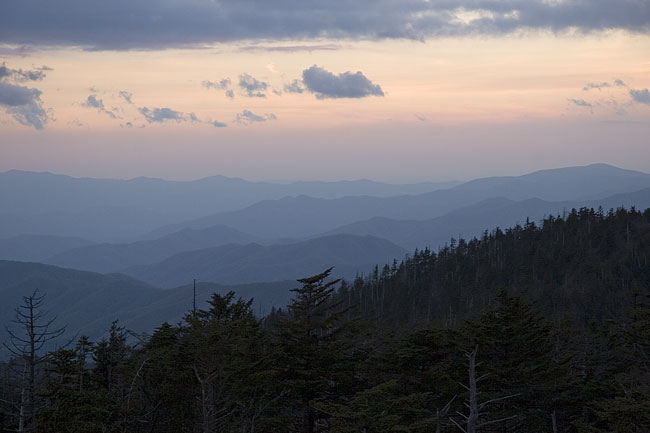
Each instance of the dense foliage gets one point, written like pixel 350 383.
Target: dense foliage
pixel 533 329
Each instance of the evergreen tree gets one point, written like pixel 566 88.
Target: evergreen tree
pixel 316 352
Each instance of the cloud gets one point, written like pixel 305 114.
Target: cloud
pixel 160 115
pixel 580 102
pixel 290 48
pixel 22 76
pixel 641 96
pixel 127 96
pixel 295 86
pixel 22 51
pixel 223 84
pixel 93 102
pixel 218 124
pixel 603 85
pixel 252 87
pixel 22 103
pixel 598 86
pixel 155 24
pixel 248 116
pixel 346 85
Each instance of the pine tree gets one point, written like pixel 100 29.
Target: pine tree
pixel 315 358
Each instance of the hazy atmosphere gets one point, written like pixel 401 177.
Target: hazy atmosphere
pixel 302 216
pixel 426 90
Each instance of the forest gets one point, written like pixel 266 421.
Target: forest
pixel 535 328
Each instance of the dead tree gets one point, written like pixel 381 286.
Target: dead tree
pixel 475 418
pixel 36 331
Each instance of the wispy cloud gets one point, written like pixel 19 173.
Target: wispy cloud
pixel 223 84
pixel 295 86
pixel 580 102
pixel 160 115
pixel 93 102
pixel 248 116
pixel 127 96
pixel 21 75
pixel 603 85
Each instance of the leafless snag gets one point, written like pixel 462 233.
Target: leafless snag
pixel 473 420
pixel 36 332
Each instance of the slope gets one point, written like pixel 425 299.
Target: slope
pixel 232 264
pixel 113 257
pixel 307 216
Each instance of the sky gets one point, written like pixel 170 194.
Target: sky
pixel 390 90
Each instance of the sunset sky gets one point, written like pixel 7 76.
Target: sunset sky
pixel 396 91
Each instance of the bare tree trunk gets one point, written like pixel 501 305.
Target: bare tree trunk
pixel 554 422
pixel 23 399
pixel 472 417
pixel 206 403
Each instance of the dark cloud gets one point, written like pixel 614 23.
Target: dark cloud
pixel 218 124
pixel 295 86
pixel 153 24
pixel 290 48
pixel 325 84
pixel 23 104
pixel 22 76
pixel 230 94
pixel 642 96
pixel 252 87
pixel 127 96
pixel 580 102
pixel 159 115
pixel 619 83
pixel 248 116
pixel 93 102
pixel 22 51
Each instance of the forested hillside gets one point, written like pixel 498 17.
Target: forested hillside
pixel 588 266
pixel 540 328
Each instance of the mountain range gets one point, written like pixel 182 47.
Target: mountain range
pixel 307 216
pixel 86 303
pixel 161 235
pixel 118 210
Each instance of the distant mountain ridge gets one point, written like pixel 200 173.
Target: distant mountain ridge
pixel 307 216
pixel 34 248
pixel 230 264
pixel 87 302
pixel 26 192
pixel 114 257
pixel 473 220
pixel 113 210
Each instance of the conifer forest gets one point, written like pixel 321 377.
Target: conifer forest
pixel 535 328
